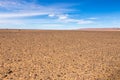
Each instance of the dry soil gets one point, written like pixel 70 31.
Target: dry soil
pixel 59 55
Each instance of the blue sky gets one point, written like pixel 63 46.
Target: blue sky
pixel 59 14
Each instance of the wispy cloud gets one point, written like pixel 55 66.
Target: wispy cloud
pixel 17 15
pixel 57 14
pixel 93 18
pixel 65 19
pixel 21 9
pixel 51 15
pixel 85 22
pixel 11 21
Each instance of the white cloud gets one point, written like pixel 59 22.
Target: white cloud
pixel 14 15
pixel 65 19
pixel 57 14
pixel 15 22
pixel 85 21
pixel 51 15
pixel 78 21
pixel 11 4
pixel 19 8
pixel 62 17
pixel 28 21
pixel 92 18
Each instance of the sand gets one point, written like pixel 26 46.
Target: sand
pixel 59 55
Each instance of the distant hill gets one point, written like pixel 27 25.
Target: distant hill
pixel 100 29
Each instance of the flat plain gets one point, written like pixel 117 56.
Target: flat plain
pixel 59 55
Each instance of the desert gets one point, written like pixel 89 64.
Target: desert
pixel 59 55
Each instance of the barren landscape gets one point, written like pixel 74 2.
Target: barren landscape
pixel 59 55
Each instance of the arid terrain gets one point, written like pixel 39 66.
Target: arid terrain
pixel 59 55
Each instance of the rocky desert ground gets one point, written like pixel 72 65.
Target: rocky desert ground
pixel 59 55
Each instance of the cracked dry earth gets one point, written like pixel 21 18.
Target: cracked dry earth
pixel 59 55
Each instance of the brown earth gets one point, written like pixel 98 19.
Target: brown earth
pixel 59 55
